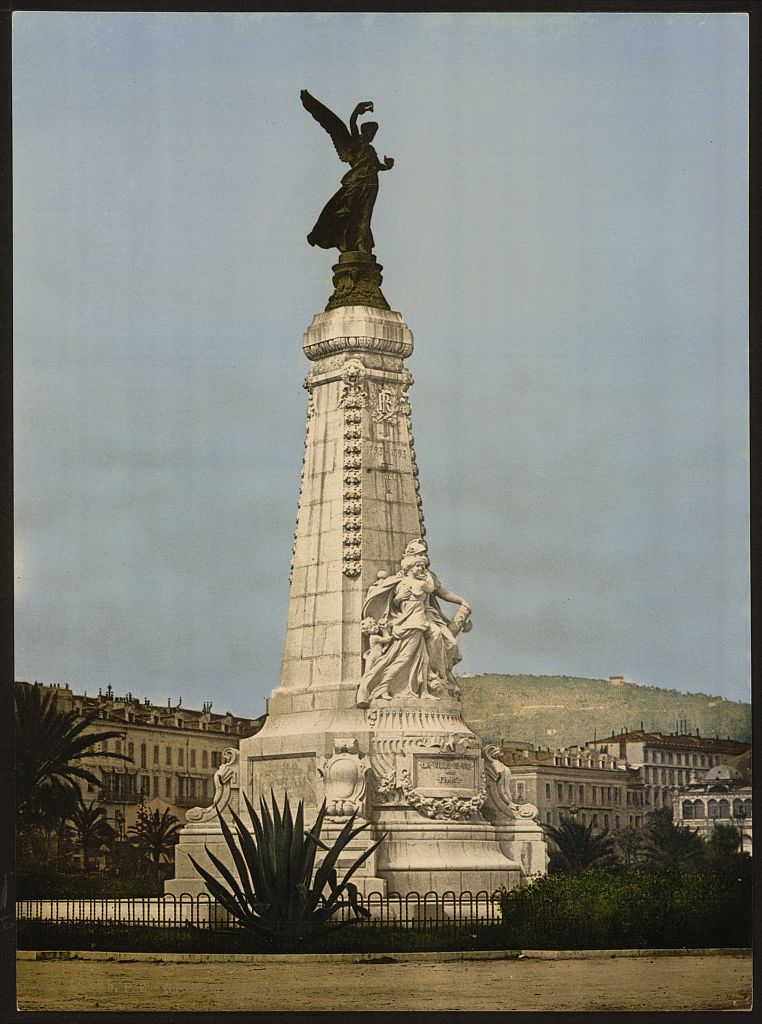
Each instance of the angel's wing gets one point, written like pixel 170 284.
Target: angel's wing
pixel 335 127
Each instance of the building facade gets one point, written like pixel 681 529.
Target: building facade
pixel 174 752
pixel 586 786
pixel 722 797
pixel 666 762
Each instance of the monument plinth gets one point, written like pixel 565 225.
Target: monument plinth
pixel 367 714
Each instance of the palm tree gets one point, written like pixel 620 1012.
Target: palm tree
pixel 629 843
pixel 155 835
pixel 91 828
pixel 578 848
pixel 670 847
pixel 50 744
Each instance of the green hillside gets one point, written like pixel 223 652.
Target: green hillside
pixel 559 711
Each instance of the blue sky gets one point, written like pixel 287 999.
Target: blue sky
pixel 564 231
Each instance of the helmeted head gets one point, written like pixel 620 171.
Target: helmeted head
pixel 417 547
pixel 368 130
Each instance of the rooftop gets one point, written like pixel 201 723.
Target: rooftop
pixel 675 741
pixel 128 709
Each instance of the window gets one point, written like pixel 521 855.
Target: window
pixel 617 821
pixel 193 758
pixel 145 785
pixel 143 755
pixel 168 787
pixel 605 821
pixel 747 807
pixel 560 791
pixel 204 758
pixel 131 750
pixel 569 792
pixel 180 756
pixel 168 756
pixel 582 794
pixel 547 789
pixel 703 761
pixel 156 754
pixel 595 821
pixel 216 758
pixel 156 784
pixel 663 775
pixel 594 794
pixel 672 776
pixel 687 809
pixel 694 759
pixel 724 808
pixel 713 809
pixel 637 821
pixel 548 817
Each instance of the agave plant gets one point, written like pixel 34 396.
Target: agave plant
pixel 278 892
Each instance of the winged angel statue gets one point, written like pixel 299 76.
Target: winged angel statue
pixel 344 223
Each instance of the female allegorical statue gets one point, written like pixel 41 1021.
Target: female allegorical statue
pixel 344 223
pixel 412 645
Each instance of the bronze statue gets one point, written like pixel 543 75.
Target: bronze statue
pixel 344 223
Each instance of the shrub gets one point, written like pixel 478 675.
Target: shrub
pixel 602 909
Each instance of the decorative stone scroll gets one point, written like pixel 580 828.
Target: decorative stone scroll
pixel 344 780
pixel 500 806
pixel 353 399
pixel 225 781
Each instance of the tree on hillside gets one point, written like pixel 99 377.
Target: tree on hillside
pixel 576 847
pixel 91 830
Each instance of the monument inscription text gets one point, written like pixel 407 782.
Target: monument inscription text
pixel 436 772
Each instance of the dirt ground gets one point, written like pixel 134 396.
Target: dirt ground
pixel 674 983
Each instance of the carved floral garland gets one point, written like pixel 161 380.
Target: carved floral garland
pixel 309 386
pixel 352 400
pixel 407 412
pixel 450 808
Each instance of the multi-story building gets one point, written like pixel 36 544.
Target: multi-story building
pixel 721 797
pixel 590 787
pixel 665 762
pixel 174 751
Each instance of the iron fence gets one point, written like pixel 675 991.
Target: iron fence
pixel 426 911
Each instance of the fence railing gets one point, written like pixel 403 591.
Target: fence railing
pixel 420 910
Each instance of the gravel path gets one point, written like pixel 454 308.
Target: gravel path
pixel 674 983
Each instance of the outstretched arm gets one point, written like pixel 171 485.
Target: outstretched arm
pixel 387 164
pixel 447 595
pixel 361 108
